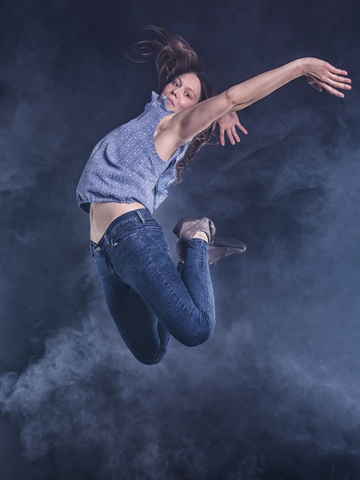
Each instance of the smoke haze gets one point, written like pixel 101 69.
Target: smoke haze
pixel 274 394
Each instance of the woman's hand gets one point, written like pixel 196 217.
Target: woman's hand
pixel 320 74
pixel 227 123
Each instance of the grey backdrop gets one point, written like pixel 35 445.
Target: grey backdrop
pixel 274 394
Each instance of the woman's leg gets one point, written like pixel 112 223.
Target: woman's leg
pixel 143 334
pixel 135 252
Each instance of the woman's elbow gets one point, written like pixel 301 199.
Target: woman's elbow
pixel 235 100
pixel 231 97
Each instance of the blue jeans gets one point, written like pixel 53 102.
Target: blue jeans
pixel 148 298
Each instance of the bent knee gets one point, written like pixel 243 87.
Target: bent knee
pixel 147 358
pixel 197 338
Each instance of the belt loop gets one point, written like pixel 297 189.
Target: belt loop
pixel 106 239
pixel 138 213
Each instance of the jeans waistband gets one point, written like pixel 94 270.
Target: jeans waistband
pixel 135 215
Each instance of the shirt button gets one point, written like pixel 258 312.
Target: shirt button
pixel 98 249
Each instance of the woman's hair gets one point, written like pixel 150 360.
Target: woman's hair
pixel 173 57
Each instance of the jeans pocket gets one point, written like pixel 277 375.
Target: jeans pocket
pixel 119 235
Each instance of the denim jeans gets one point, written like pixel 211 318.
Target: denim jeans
pixel 148 298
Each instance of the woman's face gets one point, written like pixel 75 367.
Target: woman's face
pixel 183 92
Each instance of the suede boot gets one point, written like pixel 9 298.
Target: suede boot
pixel 222 247
pixel 186 228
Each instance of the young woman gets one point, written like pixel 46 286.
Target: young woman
pixel 127 177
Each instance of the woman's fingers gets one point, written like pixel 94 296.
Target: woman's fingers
pixel 339 82
pixel 333 90
pixel 337 71
pixel 320 85
pixel 330 82
pixel 222 138
pixel 337 78
pixel 235 134
pixel 322 75
pixel 243 129
pixel 228 124
pixel 335 82
pixel 229 134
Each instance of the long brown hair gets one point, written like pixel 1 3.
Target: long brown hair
pixel 173 57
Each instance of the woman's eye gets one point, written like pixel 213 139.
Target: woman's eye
pixel 175 83
pixel 187 95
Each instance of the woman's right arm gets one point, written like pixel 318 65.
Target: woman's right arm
pixel 184 125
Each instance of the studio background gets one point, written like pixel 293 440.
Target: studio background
pixel 274 394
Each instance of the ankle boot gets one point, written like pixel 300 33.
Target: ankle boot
pixel 186 228
pixel 222 247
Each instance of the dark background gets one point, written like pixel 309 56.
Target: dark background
pixel 274 394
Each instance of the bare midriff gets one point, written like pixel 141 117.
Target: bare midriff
pixel 103 213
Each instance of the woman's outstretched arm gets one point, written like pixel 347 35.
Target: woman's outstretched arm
pixel 319 74
pixel 184 125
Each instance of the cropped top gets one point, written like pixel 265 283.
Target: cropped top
pixel 125 166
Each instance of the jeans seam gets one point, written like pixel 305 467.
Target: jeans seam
pixel 203 266
pixel 167 283
pixel 204 275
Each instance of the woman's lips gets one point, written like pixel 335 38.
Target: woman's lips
pixel 170 101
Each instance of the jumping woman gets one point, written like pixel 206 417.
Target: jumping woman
pixel 127 177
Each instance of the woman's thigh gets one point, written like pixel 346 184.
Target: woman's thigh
pixel 144 336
